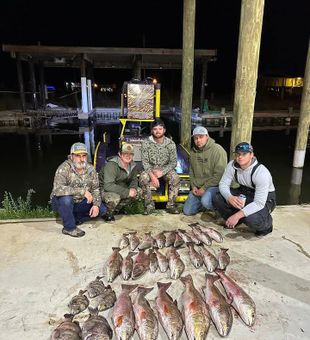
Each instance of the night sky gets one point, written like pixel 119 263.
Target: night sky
pixel 286 28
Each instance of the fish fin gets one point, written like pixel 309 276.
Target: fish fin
pixel 164 286
pixel 116 248
pixel 143 290
pixel 130 288
pixel 119 321
pixel 212 278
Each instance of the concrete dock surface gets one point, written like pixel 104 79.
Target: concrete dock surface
pixel 42 269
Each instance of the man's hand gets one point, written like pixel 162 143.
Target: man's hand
pixel 195 191
pixel 132 192
pixel 154 180
pixel 157 173
pixel 94 211
pixel 232 221
pixel 236 202
pixel 88 196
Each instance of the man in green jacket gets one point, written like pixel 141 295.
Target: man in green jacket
pixel 118 181
pixel 207 164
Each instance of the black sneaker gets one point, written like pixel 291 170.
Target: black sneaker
pixel 264 232
pixel 108 217
pixel 77 232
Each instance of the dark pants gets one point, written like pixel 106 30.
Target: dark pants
pixel 72 213
pixel 259 221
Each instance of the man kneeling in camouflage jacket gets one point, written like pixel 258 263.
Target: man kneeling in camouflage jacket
pixel 76 195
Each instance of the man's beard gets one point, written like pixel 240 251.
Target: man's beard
pixel 158 135
pixel 80 165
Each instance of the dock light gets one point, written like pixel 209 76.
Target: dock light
pixel 95 85
pixel 154 81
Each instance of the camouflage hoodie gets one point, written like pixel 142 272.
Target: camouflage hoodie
pixel 163 156
pixel 68 181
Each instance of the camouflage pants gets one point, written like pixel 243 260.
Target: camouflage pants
pixel 173 180
pixel 115 203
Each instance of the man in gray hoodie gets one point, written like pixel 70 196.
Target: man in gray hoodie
pixel 257 192
pixel 207 163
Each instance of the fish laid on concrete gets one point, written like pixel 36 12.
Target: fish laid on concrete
pixel 67 330
pixel 194 310
pixel 163 263
pixel 176 265
pixel 170 238
pixel 185 237
pixel 146 321
pixel 78 303
pixel 223 258
pixel 127 265
pixel 195 257
pixel 153 260
pixel 95 287
pixel 114 264
pixel 203 237
pixel 160 240
pixel 178 242
pixel 105 300
pixel 238 298
pixel 124 241
pixel 134 240
pixel 96 327
pixel 168 313
pixel 219 310
pixel 214 234
pixel 210 261
pixel 147 242
pixel 123 317
pixel 141 264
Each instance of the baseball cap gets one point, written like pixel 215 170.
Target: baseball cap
pixel 243 147
pixel 158 122
pixel 127 148
pixel 78 148
pixel 200 130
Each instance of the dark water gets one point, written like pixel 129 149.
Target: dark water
pixel 30 161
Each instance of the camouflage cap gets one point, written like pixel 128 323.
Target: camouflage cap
pixel 127 148
pixel 78 148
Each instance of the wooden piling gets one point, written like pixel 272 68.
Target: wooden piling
pixel 203 84
pixel 187 70
pixel 21 82
pixel 32 78
pixel 304 119
pixel 247 66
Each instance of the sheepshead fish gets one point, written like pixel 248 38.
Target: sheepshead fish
pixel 185 237
pixel 194 310
pixel 147 242
pixel 203 237
pixel 96 327
pixel 160 240
pixel 133 240
pixel 78 303
pixel 123 317
pixel 178 241
pixel 114 264
pixel 67 330
pixel 153 261
pixel 214 234
pixel 168 313
pixel 170 238
pixel 209 259
pixel 141 264
pixel 163 263
pixel 127 265
pixel 223 258
pixel 219 310
pixel 146 321
pixel 176 265
pixel 195 258
pixel 124 241
pixel 105 300
pixel 238 298
pixel 95 287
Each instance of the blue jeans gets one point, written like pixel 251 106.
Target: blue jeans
pixel 194 204
pixel 72 213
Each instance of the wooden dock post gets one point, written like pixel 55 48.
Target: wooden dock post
pixel 187 71
pixel 251 20
pixel 33 84
pixel 21 82
pixel 304 119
